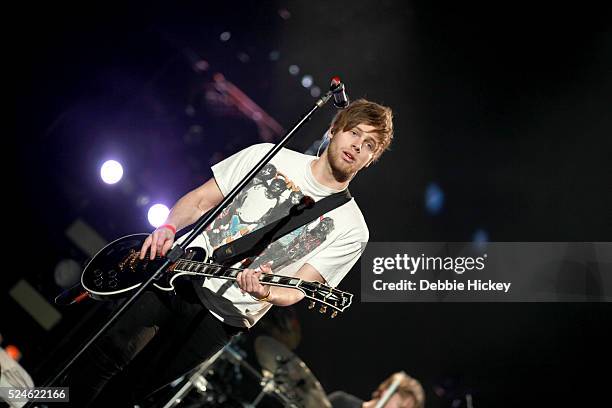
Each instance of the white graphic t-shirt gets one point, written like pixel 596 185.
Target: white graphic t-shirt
pixel 331 244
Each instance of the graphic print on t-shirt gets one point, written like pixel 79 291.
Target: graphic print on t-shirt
pixel 265 199
pixel 279 255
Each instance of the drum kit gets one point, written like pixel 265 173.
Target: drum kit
pixel 251 371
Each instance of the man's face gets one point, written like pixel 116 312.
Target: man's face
pixel 351 150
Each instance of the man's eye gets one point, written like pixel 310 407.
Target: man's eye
pixel 353 132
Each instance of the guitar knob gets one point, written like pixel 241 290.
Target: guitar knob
pixel 323 309
pixel 311 305
pixel 334 314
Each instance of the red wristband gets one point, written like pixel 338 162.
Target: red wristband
pixel 170 227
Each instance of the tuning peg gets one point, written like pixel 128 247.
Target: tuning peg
pixel 311 305
pixel 334 314
pixel 323 309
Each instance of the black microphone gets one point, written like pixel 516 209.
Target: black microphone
pixel 341 100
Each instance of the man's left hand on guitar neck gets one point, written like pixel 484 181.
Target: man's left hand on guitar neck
pixel 248 281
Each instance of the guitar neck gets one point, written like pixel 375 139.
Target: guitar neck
pixel 208 270
pixel 315 291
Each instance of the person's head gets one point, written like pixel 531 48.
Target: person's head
pixel 409 393
pixel 323 229
pixel 326 225
pixel 359 135
pixel 276 188
pixel 268 171
pixel 295 197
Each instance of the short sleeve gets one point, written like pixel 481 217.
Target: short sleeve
pixel 231 170
pixel 337 259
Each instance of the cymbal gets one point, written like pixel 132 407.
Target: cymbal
pixel 291 375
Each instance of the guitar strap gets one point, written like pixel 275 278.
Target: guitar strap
pixel 253 243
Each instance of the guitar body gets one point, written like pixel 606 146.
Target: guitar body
pixel 116 270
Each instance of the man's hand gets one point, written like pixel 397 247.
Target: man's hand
pixel 159 242
pixel 248 281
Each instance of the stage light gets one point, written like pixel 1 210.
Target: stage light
pixel 67 273
pixel 243 57
pixel 13 352
pixel 315 91
pixel 111 172
pixel 284 14
pixel 225 36
pixel 480 239
pixel 307 81
pixel 294 69
pixel 157 214
pixel 434 198
pixel 274 55
pixel 201 66
pixel 142 200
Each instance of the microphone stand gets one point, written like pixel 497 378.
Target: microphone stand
pixel 200 226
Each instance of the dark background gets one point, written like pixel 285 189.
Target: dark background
pixel 505 107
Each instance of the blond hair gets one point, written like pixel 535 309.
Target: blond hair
pixel 370 113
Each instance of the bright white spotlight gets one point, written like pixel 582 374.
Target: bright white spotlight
pixel 111 172
pixel 307 81
pixel 157 214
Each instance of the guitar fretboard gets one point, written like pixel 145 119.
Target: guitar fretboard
pixel 219 271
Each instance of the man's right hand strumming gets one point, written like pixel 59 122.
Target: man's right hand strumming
pixel 159 242
pixel 186 211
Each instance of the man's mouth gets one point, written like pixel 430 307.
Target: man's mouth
pixel 348 157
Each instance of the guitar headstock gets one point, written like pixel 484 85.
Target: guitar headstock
pixel 329 298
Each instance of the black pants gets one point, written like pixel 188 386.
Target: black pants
pixel 163 336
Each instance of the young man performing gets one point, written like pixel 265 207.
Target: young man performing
pixel 180 332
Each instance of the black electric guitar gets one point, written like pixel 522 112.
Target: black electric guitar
pixel 117 270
